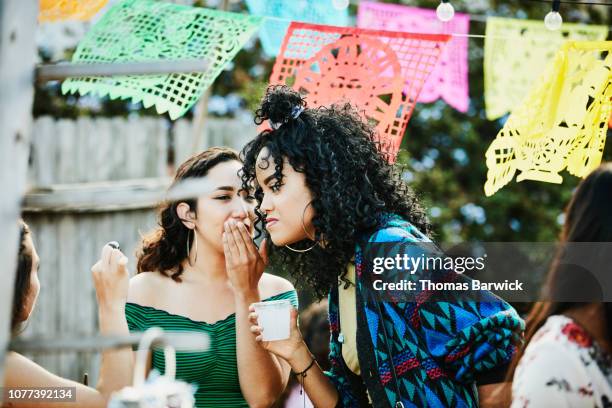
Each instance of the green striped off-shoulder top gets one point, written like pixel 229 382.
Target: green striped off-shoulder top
pixel 215 371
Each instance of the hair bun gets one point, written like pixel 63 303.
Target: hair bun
pixel 279 105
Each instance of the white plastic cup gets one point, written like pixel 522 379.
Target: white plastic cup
pixel 274 318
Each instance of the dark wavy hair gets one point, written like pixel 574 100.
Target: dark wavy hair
pixel 588 218
pixel 164 249
pixel 21 288
pixel 351 183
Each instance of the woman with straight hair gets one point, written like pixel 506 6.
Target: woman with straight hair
pixel 567 360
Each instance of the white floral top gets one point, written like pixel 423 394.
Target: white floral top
pixel 563 367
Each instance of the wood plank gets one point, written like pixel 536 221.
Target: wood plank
pixel 157 160
pixel 97 196
pixel 86 133
pixel 44 152
pixel 118 154
pixel 182 341
pixel 68 149
pixel 103 151
pixel 181 141
pixel 96 148
pixel 17 58
pixel 138 142
pixel 69 284
pixel 53 72
pixel 113 196
pixel 88 253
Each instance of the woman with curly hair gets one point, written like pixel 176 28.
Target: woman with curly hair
pixel 199 271
pixel 327 197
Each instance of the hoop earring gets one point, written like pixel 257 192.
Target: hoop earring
pixel 195 242
pixel 305 232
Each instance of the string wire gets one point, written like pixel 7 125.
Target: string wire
pixel 480 36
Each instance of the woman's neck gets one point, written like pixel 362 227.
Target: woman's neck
pixel 592 318
pixel 209 265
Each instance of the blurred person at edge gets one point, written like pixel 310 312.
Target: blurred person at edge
pixel 314 324
pixel 110 276
pixel 567 357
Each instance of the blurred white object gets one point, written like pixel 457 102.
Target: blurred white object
pixel 159 391
pixel 55 38
pixel 553 20
pixel 274 318
pixel 445 11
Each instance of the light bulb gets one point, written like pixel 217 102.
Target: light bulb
pixel 340 4
pixel 553 20
pixel 445 11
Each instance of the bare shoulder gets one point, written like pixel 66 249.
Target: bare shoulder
pixel 271 285
pixel 20 372
pixel 23 372
pixel 17 361
pixel 145 287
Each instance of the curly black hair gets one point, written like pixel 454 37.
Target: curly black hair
pixel 351 182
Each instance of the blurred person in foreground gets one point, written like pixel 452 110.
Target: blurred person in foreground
pixel 110 277
pixel 314 325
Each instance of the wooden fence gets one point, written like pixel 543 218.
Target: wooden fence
pixel 92 181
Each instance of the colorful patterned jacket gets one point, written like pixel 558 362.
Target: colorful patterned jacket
pixel 438 347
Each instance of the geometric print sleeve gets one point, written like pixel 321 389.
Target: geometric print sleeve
pixel 465 338
pixel 470 338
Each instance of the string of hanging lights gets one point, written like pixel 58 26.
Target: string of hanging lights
pixel 553 20
pixel 445 10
